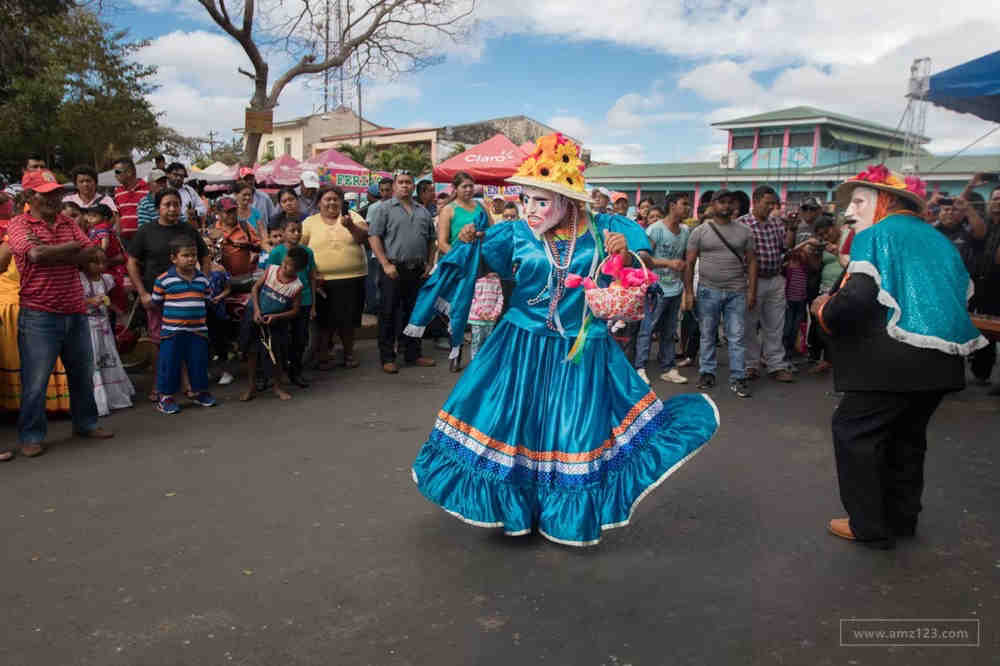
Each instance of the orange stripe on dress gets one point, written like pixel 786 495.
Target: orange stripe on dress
pixel 549 456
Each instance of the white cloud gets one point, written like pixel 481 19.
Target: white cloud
pixel 634 111
pixel 843 32
pixel 871 91
pixel 203 92
pixel 573 126
pixel 618 153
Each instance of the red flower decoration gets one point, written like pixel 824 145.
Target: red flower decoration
pixel 917 186
pixel 560 139
pixel 877 173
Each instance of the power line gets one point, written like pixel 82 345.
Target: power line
pixel 948 159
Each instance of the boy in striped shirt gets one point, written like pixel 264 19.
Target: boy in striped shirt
pixel 181 292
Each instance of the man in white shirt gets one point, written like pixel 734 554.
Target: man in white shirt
pixel 176 175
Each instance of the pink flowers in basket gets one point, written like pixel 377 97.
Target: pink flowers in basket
pixel 624 299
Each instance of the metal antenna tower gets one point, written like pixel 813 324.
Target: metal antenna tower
pixel 914 121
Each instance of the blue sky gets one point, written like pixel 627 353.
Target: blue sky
pixel 641 82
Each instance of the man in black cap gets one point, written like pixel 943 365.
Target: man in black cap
pixel 727 288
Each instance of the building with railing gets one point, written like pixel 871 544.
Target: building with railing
pixel 801 152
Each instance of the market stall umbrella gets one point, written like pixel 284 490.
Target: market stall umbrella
pixel 215 168
pixel 335 168
pixel 972 87
pixel 285 170
pixel 489 163
pixel 107 178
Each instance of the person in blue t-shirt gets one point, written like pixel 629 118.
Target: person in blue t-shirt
pixel 275 300
pixel 292 234
pixel 668 238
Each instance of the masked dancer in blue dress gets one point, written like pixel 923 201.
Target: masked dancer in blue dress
pixel 549 427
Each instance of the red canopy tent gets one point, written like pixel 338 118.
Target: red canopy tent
pixel 490 163
pixel 335 168
pixel 283 171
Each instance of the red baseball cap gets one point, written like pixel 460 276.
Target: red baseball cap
pixel 40 181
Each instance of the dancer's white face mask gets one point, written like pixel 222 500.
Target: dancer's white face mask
pixel 862 208
pixel 543 210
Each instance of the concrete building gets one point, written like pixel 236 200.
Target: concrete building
pixel 299 136
pixel 801 152
pixel 440 141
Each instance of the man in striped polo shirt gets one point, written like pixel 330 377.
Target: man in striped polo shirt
pixel 49 250
pixel 128 195
pixel 182 291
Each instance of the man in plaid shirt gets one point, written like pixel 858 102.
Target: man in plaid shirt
pixel 771 242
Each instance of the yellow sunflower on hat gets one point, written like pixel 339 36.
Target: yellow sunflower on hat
pixel 555 165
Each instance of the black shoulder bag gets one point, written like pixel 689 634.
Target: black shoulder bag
pixel 731 248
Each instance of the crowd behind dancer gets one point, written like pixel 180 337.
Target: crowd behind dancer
pixel 767 265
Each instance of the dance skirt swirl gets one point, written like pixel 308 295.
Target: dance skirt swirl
pixel 527 441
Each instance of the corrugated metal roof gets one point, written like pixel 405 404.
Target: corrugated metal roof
pixel 929 164
pixel 798 113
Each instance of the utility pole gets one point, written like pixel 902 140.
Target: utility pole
pixel 211 142
pixel 326 56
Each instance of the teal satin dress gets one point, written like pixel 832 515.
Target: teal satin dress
pixel 528 441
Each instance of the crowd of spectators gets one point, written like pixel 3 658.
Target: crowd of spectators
pixel 278 280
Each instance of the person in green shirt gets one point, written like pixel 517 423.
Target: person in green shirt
pixel 291 234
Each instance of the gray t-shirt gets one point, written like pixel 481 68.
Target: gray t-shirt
pixel 404 234
pixel 719 268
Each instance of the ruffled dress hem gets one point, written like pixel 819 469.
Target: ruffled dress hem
pixel 518 506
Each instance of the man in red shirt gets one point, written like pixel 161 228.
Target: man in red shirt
pixel 128 195
pixel 49 250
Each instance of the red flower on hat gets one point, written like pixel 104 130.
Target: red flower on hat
pixel 917 186
pixel 877 173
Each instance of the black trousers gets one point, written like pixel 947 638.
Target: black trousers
pixel 399 296
pixel 298 341
pixel 880 440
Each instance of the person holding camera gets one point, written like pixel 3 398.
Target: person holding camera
pixel 984 256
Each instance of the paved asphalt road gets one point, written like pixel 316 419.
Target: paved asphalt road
pixel 272 533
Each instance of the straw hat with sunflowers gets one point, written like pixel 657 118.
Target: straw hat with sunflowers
pixel 555 166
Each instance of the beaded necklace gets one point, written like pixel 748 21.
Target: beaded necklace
pixel 559 263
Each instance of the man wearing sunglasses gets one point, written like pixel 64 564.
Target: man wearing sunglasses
pixel 128 194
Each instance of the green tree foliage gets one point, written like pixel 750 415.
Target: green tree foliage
pixel 79 97
pixel 363 154
pixel 414 159
pixel 398 157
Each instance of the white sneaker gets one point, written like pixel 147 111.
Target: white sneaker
pixel 225 379
pixel 684 362
pixel 642 373
pixel 673 376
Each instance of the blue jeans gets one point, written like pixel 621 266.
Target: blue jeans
pixel 42 337
pixel 662 318
pixel 713 305
pixel 181 349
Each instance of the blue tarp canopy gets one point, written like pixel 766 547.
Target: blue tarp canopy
pixel 972 87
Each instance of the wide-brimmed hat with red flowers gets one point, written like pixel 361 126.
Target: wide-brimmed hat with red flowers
pixel 879 177
pixel 554 166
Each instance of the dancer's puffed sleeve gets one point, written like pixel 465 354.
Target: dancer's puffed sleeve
pixel 635 235
pixel 498 249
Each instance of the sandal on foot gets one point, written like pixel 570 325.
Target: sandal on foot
pixel 7 456
pixel 248 396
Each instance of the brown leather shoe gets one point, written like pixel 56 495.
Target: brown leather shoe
pixel 390 368
pixel 783 376
pixel 752 374
pixel 842 527
pixel 32 450
pixel 425 362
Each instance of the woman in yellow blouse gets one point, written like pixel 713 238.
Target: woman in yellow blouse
pixel 337 238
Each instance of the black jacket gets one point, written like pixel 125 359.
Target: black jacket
pixel 866 358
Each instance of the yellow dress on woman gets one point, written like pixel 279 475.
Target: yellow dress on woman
pixel 57 394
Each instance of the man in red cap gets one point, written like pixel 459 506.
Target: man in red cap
pixel 49 250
